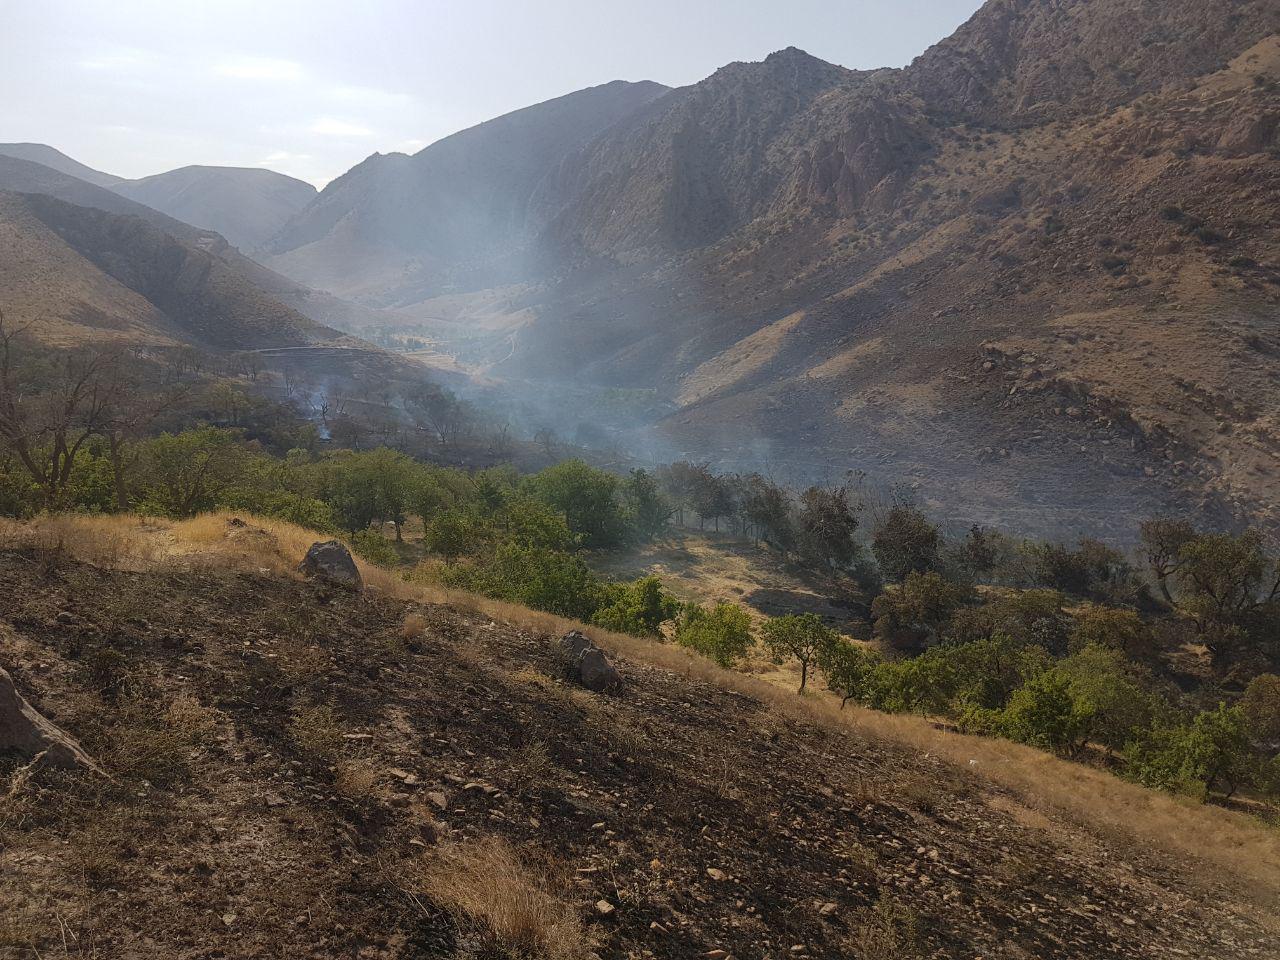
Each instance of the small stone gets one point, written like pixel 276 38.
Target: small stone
pixel 715 874
pixel 438 799
pixel 827 909
pixel 605 908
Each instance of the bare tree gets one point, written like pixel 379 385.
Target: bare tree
pixel 47 429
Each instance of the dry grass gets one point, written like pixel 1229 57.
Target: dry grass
pixel 1235 844
pixel 484 885
pixel 316 731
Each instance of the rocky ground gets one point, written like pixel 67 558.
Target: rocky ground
pixel 290 759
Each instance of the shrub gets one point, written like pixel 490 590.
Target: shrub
pixel 453 533
pixel 1044 713
pixel 374 547
pixel 1115 629
pixel 1211 752
pixel 549 580
pixel 638 608
pixel 721 633
pixel 803 638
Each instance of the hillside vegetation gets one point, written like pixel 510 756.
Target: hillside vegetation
pixel 405 773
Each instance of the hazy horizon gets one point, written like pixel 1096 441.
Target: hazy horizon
pixel 310 90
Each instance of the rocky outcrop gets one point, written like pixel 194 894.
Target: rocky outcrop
pixel 331 561
pixel 588 665
pixel 25 732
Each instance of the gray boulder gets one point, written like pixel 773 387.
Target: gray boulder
pixel 331 561
pixel 588 665
pixel 24 731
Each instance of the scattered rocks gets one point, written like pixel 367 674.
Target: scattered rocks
pixel 331 561
pixel 24 731
pixel 588 665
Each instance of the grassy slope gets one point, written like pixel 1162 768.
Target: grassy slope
pixel 245 821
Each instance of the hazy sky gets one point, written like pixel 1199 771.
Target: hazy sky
pixel 311 87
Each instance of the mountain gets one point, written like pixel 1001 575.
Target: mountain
pixel 71 273
pixel 22 176
pixel 57 160
pixel 1033 274
pixel 245 205
pixel 395 221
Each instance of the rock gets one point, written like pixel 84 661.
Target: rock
pixel 827 909
pixel 24 731
pixel 330 560
pixel 605 908
pixel 715 874
pixel 588 665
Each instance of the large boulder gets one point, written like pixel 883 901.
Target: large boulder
pixel 330 560
pixel 587 663
pixel 25 732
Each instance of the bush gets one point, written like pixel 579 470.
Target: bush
pixel 1211 752
pixel 721 633
pixel 1115 629
pixel 549 580
pixel 374 547
pixel 1044 713
pixel 638 608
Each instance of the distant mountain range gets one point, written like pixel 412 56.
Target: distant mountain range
pixel 1036 273
pixel 246 205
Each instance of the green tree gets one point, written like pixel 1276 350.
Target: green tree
pixel 1114 628
pixel 848 669
pixel 1212 752
pixel 647 507
pixel 638 608
pixel 183 474
pixel 721 633
pixel 802 638
pixel 906 542
pixel 1222 580
pixel 1162 541
pixel 827 526
pixel 587 497
pixel 913 614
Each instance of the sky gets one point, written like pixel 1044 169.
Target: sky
pixel 312 87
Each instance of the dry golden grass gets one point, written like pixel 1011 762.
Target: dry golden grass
pixel 1235 844
pixel 482 882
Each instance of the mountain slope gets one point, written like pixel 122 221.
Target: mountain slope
pixel 1043 257
pixel 245 205
pixel 70 273
pixel 23 176
pixel 47 156
pixel 298 769
pixel 394 220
